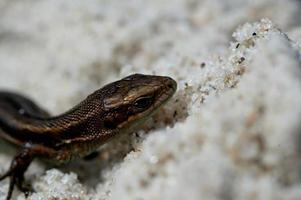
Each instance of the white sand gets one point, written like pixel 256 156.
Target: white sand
pixel 232 130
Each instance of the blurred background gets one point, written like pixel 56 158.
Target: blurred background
pixel 61 49
pixel 232 130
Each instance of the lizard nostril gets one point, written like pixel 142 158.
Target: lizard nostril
pixel 171 84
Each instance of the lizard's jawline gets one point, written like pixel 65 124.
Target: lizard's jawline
pixel 131 123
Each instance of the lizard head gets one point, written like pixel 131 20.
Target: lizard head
pixel 130 101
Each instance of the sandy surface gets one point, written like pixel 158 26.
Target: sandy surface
pixel 232 130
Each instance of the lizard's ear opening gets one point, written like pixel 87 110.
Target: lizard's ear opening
pixel 110 125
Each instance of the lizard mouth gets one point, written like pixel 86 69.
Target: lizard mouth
pixel 168 91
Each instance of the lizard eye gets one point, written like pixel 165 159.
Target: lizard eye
pixel 144 102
